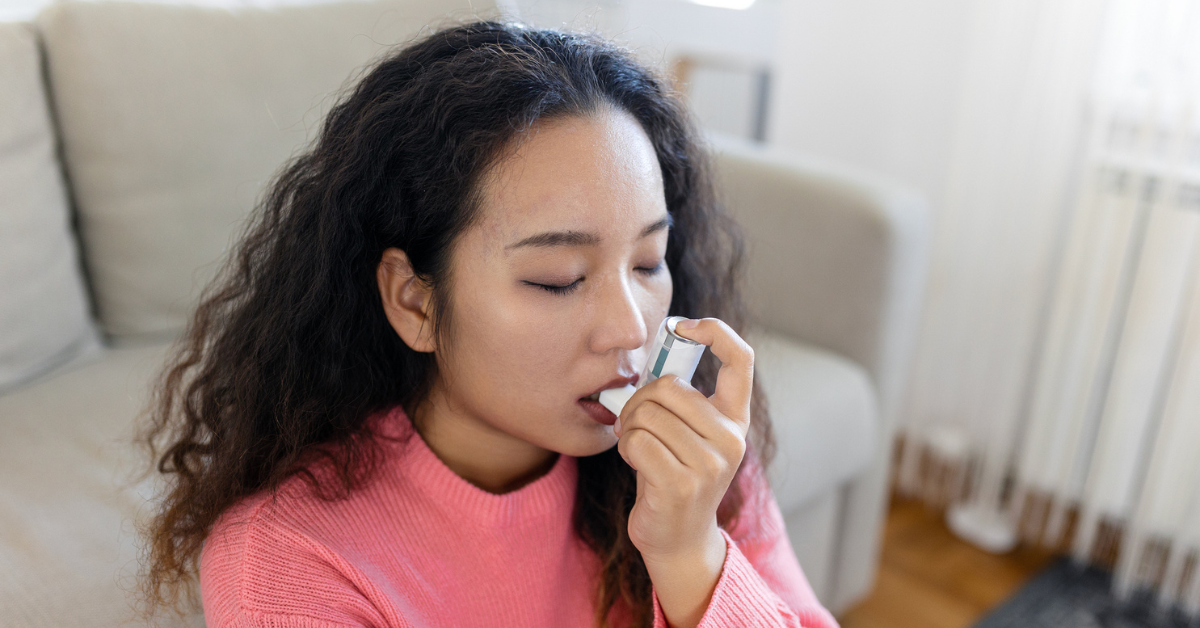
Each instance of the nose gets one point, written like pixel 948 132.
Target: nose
pixel 619 322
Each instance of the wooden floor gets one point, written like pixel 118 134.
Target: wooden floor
pixel 928 578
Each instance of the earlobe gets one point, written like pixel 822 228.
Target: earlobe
pixel 405 300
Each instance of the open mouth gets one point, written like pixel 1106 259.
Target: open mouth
pixel 593 397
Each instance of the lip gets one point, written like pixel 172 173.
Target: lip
pixel 598 412
pixel 616 382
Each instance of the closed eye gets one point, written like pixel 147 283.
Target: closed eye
pixel 653 270
pixel 568 288
pixel 557 289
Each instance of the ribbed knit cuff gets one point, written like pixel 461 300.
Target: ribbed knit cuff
pixel 254 619
pixel 741 598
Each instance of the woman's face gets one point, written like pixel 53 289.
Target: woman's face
pixel 580 208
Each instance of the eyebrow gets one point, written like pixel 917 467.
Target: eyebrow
pixel 580 238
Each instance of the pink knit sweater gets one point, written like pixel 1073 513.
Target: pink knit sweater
pixel 419 546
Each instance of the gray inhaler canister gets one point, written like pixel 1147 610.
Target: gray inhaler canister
pixel 671 354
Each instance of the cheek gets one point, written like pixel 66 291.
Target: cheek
pixel 659 295
pixel 515 346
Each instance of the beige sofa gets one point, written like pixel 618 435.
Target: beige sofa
pixel 134 139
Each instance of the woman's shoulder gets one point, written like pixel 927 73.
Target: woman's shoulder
pixel 266 556
pixel 255 533
pixel 252 515
pixel 234 557
pixel 312 503
pixel 265 553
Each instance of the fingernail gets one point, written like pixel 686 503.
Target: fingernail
pixel 688 324
pixel 617 427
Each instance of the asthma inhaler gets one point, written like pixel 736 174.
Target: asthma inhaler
pixel 671 354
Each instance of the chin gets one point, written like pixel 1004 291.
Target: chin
pixel 594 442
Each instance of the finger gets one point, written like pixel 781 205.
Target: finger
pixel 735 379
pixel 650 458
pixel 688 447
pixel 687 404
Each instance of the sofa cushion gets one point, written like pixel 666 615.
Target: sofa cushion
pixel 68 547
pixel 173 117
pixel 44 318
pixel 825 415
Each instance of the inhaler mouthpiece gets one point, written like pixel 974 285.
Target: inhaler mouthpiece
pixel 671 354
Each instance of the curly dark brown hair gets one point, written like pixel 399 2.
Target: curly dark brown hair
pixel 289 351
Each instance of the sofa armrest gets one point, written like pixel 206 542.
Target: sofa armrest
pixel 837 258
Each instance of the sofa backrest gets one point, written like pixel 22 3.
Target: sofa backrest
pixel 837 257
pixel 173 119
pixel 44 317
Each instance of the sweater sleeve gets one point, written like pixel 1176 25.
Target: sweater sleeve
pixel 761 583
pixel 244 618
pixel 255 573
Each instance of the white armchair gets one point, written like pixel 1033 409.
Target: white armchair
pixel 170 118
pixel 838 260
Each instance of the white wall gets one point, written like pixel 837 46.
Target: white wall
pixel 723 99
pixel 978 104
pixel 874 83
pixel 661 28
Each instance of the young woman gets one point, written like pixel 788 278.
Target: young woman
pixel 380 413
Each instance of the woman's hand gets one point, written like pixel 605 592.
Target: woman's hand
pixel 686 448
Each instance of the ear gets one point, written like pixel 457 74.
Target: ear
pixel 405 300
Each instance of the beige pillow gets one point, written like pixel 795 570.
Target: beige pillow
pixel 174 117
pixel 44 319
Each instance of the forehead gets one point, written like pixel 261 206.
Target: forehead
pixel 597 173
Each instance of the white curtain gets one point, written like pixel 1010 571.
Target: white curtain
pixel 1114 429
pixel 1014 158
pixel 1060 391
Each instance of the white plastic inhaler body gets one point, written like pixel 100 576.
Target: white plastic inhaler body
pixel 671 354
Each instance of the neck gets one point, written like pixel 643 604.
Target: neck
pixel 488 458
